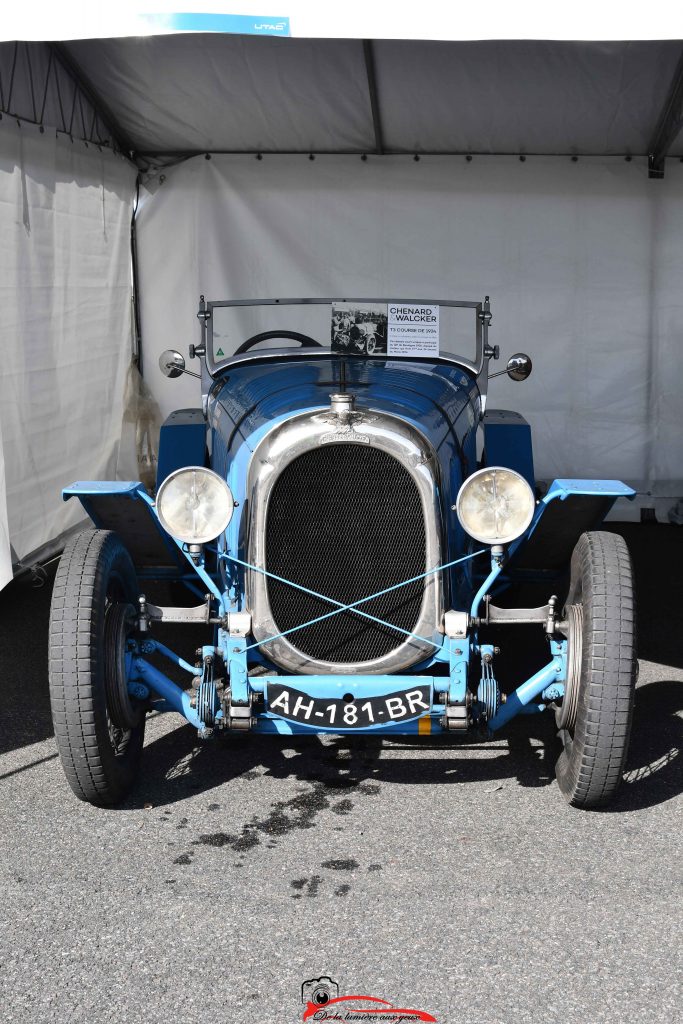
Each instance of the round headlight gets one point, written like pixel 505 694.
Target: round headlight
pixel 194 504
pixel 495 505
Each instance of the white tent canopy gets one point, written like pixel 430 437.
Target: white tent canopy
pixel 193 93
pixel 523 169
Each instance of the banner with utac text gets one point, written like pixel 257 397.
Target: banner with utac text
pixel 355 19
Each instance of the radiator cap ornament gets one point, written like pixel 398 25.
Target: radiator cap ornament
pixel 342 405
pixel 343 417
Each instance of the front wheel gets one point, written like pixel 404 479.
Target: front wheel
pixel 99 728
pixel 595 717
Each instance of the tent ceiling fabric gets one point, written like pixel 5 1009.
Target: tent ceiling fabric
pixel 232 92
pixel 246 94
pixel 511 97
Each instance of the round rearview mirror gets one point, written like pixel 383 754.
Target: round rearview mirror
pixel 519 366
pixel 172 363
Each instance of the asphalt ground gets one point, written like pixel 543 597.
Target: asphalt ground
pixel 439 875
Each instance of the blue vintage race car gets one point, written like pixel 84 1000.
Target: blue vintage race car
pixel 346 520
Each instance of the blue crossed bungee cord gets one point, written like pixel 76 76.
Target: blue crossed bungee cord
pixel 353 607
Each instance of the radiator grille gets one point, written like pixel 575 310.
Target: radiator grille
pixel 345 520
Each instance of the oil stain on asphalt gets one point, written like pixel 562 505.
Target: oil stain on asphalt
pixel 285 816
pixel 310 886
pixel 300 812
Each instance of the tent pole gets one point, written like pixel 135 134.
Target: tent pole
pixel 668 126
pixel 137 332
pixel 369 55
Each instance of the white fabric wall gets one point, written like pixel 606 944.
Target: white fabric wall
pixel 65 327
pixel 583 262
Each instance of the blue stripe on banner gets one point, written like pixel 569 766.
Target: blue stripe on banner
pixel 240 24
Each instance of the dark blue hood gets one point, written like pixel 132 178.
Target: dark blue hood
pixel 440 400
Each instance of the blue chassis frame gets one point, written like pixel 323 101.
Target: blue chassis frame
pixel 146 682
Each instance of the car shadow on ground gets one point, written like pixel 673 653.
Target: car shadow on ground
pixel 178 766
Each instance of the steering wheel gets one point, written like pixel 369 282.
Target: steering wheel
pixel 303 340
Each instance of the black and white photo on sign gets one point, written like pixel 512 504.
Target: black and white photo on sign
pixel 359 328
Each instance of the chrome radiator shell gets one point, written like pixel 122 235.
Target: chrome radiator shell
pixel 281 446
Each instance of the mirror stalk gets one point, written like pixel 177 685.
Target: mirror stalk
pixel 518 367
pixel 172 364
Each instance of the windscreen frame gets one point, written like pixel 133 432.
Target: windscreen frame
pixel 205 315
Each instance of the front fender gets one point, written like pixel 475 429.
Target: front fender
pixel 568 509
pixel 124 507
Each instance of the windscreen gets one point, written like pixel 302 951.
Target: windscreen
pixel 385 329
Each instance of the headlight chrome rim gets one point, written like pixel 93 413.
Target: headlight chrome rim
pixel 220 518
pixel 523 522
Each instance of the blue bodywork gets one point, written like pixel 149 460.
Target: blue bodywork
pixel 246 401
pixel 507 442
pixel 182 442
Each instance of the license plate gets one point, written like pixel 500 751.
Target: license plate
pixel 344 713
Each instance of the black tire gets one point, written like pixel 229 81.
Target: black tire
pixel 595 720
pixel 95 582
